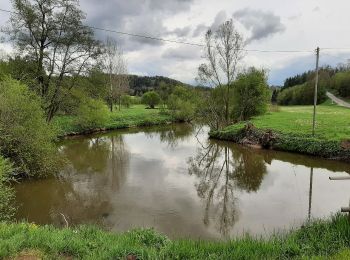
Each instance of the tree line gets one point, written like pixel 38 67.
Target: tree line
pixel 299 89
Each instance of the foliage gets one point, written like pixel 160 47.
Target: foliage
pixel 211 108
pixel 182 104
pixel 316 239
pixel 251 94
pixel 151 99
pixel 341 83
pixel 136 115
pixel 7 209
pixel 303 94
pixel 54 37
pixel 223 52
pixel 126 101
pixel 91 114
pixel 25 137
pixel 142 84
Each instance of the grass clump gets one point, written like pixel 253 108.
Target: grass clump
pixel 319 238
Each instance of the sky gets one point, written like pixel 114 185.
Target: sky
pixel 265 25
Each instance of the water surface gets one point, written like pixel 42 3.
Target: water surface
pixel 174 179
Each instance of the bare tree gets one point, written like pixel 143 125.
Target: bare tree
pixel 52 34
pixel 223 52
pixel 116 69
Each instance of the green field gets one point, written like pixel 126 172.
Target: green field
pixel 332 122
pixel 137 115
pixel 320 239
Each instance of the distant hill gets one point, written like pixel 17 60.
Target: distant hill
pixel 142 84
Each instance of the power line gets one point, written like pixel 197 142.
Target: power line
pixel 178 41
pixel 190 43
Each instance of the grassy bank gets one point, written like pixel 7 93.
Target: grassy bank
pixel 290 129
pixel 321 239
pixel 137 115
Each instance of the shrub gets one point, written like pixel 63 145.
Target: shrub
pixel 126 101
pixel 151 99
pixel 6 194
pixel 25 138
pixel 251 94
pixel 91 114
pixel 182 104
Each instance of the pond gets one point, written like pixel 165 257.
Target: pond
pixel 176 180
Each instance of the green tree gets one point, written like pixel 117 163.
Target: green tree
pixel 341 83
pixel 150 98
pixel 251 94
pixel 7 209
pixel 182 104
pixel 91 114
pixel 126 101
pixel 25 138
pixel 223 52
pixel 53 36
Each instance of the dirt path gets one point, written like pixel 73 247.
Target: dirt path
pixel 338 100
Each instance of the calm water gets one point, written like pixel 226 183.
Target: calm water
pixel 174 179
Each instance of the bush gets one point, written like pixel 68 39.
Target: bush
pixel 25 138
pixel 151 99
pixel 251 94
pixel 6 194
pixel 182 104
pixel 126 101
pixel 92 114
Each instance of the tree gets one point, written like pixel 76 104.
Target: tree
pixel 51 33
pixel 126 101
pixel 25 138
pixel 223 51
pixel 251 94
pixel 182 104
pixel 151 99
pixel 116 69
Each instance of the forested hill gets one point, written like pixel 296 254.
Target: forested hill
pixel 141 84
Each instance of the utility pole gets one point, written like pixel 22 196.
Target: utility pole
pixel 315 92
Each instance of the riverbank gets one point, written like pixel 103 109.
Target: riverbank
pixel 319 238
pixel 137 115
pixel 289 129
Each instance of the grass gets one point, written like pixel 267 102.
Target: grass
pixel 290 129
pixel 332 121
pixel 319 239
pixel 137 115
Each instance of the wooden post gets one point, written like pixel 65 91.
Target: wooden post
pixel 310 192
pixel 339 178
pixel 315 92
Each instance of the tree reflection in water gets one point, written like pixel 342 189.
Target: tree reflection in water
pixel 223 170
pixel 96 170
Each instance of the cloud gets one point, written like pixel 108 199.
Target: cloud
pixel 316 9
pixel 182 53
pixel 261 24
pixel 137 17
pixel 199 30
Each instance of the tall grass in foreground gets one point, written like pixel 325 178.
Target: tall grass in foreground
pixel 319 238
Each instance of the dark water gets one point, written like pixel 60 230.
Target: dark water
pixel 183 185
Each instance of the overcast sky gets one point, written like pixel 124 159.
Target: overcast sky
pixel 266 25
